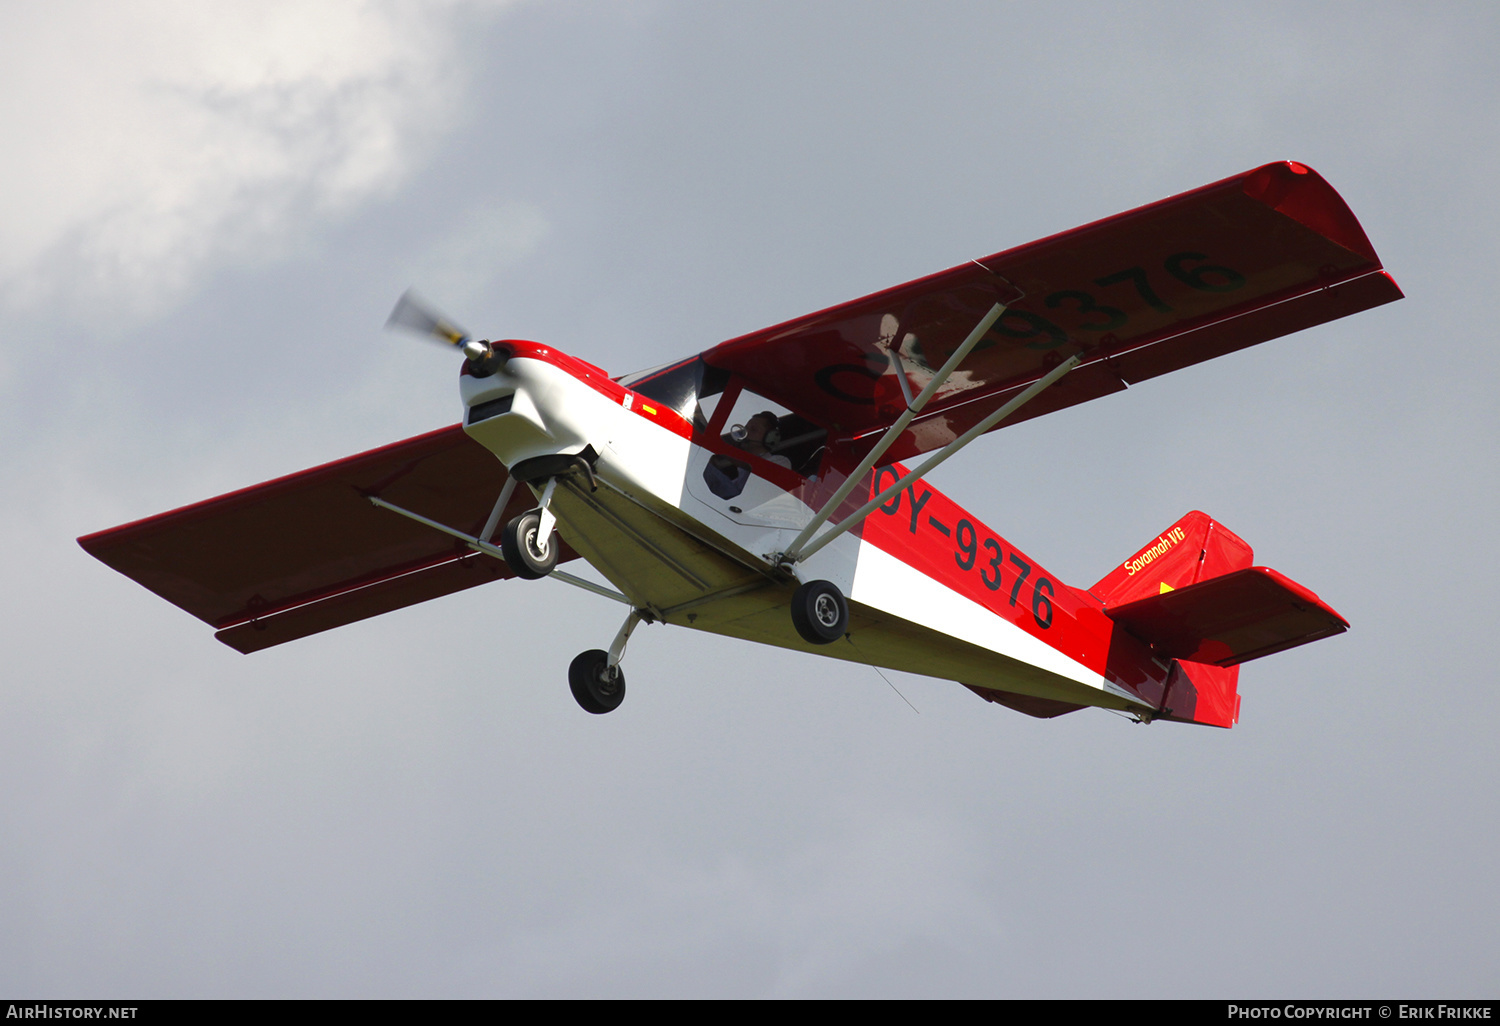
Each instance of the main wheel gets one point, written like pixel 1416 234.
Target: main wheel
pixel 529 556
pixel 597 688
pixel 819 612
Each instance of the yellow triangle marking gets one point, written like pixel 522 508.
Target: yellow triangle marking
pixel 1165 587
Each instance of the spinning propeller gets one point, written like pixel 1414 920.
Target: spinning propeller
pixel 411 313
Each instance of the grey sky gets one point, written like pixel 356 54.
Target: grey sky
pixel 206 212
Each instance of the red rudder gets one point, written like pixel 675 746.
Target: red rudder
pixel 1202 693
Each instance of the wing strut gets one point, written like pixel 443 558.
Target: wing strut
pixel 479 545
pixel 796 554
pixel 493 523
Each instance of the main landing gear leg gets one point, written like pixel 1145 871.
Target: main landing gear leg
pixel 595 676
pixel 530 540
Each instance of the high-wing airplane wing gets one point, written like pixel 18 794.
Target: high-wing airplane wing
pixel 1227 266
pixel 309 552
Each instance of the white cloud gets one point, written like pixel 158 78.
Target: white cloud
pixel 148 141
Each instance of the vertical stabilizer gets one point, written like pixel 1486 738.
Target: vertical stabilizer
pixel 1194 549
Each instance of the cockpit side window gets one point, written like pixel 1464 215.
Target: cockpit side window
pixel 771 432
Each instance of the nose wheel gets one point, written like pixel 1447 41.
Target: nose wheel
pixel 529 542
pixel 528 551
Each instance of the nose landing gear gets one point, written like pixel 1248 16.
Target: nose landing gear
pixel 529 552
pixel 529 541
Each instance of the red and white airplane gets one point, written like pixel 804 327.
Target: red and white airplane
pixel 758 489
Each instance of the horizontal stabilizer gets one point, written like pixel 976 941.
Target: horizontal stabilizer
pixel 1230 619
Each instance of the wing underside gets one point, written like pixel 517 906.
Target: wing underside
pixel 309 552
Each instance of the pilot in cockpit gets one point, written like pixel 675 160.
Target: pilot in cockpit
pixel 727 477
pixel 762 434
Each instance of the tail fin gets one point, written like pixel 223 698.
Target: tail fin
pixel 1194 549
pixel 1193 597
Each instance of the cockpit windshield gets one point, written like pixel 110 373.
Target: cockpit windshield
pixel 679 386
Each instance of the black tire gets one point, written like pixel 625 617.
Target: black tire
pixel 819 612
pixel 529 557
pixel 595 688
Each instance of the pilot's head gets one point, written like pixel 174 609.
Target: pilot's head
pixel 760 429
pixel 757 426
